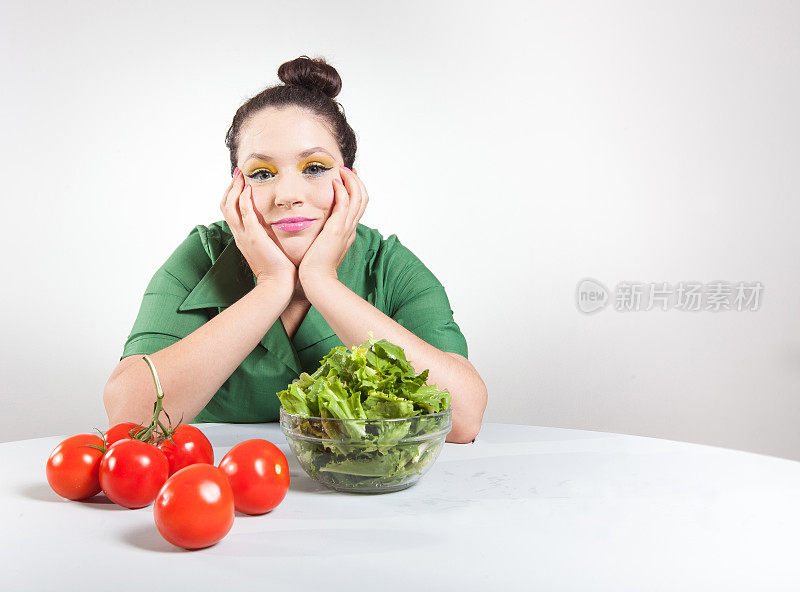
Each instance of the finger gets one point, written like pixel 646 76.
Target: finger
pixel 364 200
pixel 339 211
pixel 234 204
pixel 354 192
pixel 245 207
pixel 237 203
pixel 230 209
pixel 361 203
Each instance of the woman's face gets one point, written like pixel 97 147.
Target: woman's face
pixel 290 159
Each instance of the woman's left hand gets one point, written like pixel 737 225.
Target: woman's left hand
pixel 327 252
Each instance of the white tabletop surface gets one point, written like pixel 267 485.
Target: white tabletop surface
pixel 521 508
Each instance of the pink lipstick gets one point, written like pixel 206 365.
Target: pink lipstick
pixel 293 223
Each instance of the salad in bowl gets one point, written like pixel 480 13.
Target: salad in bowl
pixel 365 421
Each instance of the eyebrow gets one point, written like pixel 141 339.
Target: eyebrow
pixel 302 154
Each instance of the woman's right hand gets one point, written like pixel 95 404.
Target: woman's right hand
pixel 265 257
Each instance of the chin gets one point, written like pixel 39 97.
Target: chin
pixel 295 246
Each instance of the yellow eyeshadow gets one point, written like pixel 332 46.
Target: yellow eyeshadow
pixel 322 161
pixel 259 166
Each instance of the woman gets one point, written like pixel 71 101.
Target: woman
pixel 243 306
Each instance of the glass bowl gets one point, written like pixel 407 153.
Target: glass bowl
pixel 366 455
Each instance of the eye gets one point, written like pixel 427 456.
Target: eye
pixel 257 174
pixel 313 169
pixel 318 168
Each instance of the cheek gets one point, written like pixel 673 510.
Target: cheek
pixel 259 210
pixel 324 199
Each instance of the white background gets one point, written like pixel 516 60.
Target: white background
pixel 515 148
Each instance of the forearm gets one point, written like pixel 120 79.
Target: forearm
pixel 351 317
pixel 192 370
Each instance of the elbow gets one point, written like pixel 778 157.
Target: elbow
pixel 466 429
pixel 462 435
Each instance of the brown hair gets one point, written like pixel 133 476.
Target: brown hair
pixel 310 84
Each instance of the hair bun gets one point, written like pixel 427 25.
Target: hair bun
pixel 314 74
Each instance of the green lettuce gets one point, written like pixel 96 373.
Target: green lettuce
pixel 371 381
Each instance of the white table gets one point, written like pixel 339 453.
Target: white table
pixel 522 508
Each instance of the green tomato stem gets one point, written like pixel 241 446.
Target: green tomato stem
pixel 158 407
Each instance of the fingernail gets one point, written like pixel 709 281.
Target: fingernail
pixel 345 168
pixel 236 173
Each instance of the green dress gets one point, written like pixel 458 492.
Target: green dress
pixel 202 278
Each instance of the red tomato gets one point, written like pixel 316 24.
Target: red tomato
pixel 72 469
pixel 259 475
pixel 192 447
pixel 194 508
pixel 120 431
pixel 132 472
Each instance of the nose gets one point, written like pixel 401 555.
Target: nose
pixel 287 193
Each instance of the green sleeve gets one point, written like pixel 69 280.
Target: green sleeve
pixel 159 324
pixel 418 301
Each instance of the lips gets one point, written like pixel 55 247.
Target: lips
pixel 292 219
pixel 301 223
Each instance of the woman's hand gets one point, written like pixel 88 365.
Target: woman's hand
pixel 265 257
pixel 330 246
